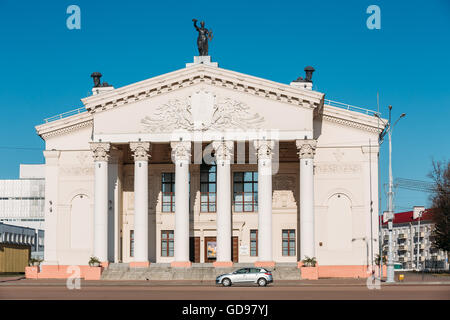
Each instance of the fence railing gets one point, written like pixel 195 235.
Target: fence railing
pixel 327 101
pixel 351 108
pixel 65 114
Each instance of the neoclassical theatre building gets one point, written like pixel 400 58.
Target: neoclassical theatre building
pixel 208 165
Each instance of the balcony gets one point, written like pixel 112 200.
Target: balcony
pixel 403 247
pixel 420 234
pixel 403 259
pixel 402 236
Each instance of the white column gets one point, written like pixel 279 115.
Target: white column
pixel 181 155
pixel 264 151
pixel 306 153
pixel 223 154
pixel 101 156
pixel 140 152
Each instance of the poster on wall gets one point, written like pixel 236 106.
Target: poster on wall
pixel 211 249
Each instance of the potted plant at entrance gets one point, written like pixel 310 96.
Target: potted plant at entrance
pixel 94 262
pixel 309 262
pixel 309 269
pixel 34 262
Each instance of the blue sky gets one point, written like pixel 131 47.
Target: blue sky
pixel 45 67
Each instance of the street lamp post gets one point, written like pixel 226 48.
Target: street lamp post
pixel 388 129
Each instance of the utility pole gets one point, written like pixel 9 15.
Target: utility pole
pixel 390 263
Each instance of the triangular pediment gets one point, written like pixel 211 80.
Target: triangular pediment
pixel 205 74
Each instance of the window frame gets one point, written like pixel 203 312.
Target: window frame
pixel 254 192
pixel 167 240
pixel 208 194
pixel 288 239
pixel 171 194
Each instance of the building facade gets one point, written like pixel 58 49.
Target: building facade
pixel 207 165
pixel 22 208
pixel 413 243
pixel 16 237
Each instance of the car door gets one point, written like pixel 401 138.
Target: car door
pixel 253 275
pixel 240 275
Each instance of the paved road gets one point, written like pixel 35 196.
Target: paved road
pixel 29 289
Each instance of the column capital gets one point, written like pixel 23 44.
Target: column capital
pixel 223 150
pixel 100 150
pixel 264 148
pixel 140 150
pixel 181 151
pixel 306 148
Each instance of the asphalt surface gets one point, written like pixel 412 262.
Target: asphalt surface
pixel 324 289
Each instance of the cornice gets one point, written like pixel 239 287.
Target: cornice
pixel 352 119
pixel 65 125
pixel 203 74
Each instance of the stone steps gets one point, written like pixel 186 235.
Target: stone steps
pixel 198 271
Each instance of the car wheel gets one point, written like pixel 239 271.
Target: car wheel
pixel 262 282
pixel 226 282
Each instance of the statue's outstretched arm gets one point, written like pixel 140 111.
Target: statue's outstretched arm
pixel 195 24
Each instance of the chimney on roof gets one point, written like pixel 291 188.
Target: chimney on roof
pixel 305 83
pixel 98 86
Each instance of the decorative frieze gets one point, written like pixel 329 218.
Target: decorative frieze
pixel 306 148
pixel 140 150
pixel 221 114
pixel 337 168
pixel 100 150
pixel 284 182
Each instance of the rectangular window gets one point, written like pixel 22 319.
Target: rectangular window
pixel 254 243
pixel 166 243
pixel 245 191
pixel 207 188
pixel 168 192
pixel 131 243
pixel 288 242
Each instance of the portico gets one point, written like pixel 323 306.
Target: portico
pixel 181 155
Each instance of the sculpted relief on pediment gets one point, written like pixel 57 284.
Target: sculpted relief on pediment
pixel 202 111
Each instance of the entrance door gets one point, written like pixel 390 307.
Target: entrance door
pixel 194 249
pixel 210 254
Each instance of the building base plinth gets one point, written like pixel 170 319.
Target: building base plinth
pixel 265 264
pixel 223 264
pixel 181 264
pixel 63 272
pixel 309 273
pixel 143 264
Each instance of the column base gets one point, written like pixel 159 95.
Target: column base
pixel 223 264
pixel 136 264
pixel 265 264
pixel 181 264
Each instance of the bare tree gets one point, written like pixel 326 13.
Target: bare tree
pixel 440 202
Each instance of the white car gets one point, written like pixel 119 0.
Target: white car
pixel 255 275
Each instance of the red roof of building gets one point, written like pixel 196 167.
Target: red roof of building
pixel 407 216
